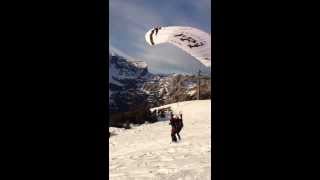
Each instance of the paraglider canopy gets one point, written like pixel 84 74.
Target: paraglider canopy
pixel 193 41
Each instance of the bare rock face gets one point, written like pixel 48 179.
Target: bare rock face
pixel 125 81
pixel 177 87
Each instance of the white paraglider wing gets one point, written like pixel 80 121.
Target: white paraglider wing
pixel 194 41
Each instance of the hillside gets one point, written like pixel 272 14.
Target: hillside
pixel 146 151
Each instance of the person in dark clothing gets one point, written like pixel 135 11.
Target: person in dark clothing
pixel 173 123
pixel 162 114
pixel 179 125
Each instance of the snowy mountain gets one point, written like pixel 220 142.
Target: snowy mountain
pixel 133 89
pixel 125 81
pixel 146 151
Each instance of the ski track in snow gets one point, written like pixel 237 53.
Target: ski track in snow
pixel 146 153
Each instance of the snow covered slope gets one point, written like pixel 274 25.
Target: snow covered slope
pixel 146 151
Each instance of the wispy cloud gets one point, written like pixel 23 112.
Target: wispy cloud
pixel 119 52
pixel 131 19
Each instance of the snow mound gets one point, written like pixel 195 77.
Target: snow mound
pixel 146 151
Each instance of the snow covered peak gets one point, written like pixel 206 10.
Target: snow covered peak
pixel 126 78
pixel 122 68
pixel 139 64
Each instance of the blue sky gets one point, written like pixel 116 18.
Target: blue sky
pixel 129 20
